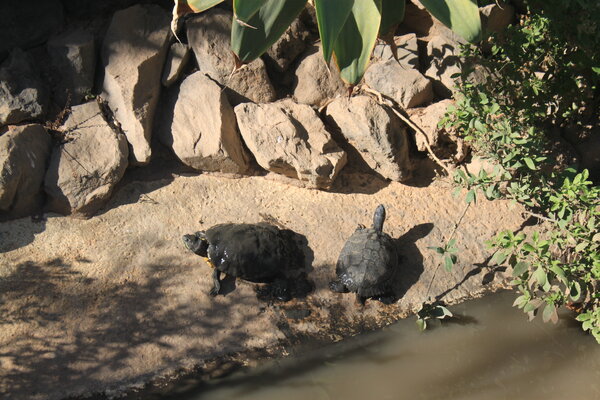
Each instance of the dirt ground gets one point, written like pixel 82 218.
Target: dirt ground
pixel 114 301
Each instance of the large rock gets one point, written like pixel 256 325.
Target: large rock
pixel 73 57
pixel 209 36
pixel 407 86
pixel 495 17
pixel 23 95
pixel 23 154
pixel 28 23
pixel 443 54
pixel 84 170
pixel 133 55
pixel 177 59
pixel 289 139
pixel 289 46
pixel 407 51
pixel 315 82
pixel 427 118
pixel 203 130
pixel 375 132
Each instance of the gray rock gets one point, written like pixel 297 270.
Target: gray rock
pixel 28 23
pixel 177 59
pixel 209 36
pixel 23 95
pixel 84 170
pixel 73 57
pixel 375 132
pixel 289 46
pixel 443 54
pixel 427 118
pixel 407 86
pixel 289 139
pixel 203 131
pixel 315 83
pixel 133 55
pixel 23 153
pixel 495 17
pixel 416 19
pixel 407 51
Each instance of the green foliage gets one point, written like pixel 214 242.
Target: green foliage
pixel 448 254
pixel 348 28
pixel 431 311
pixel 546 77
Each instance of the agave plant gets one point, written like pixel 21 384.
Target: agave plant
pixel 348 28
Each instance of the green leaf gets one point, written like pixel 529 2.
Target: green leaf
pixel 451 243
pixel 575 291
pixel 422 324
pixel 498 258
pixel 596 70
pixel 540 276
pixel 520 268
pixel 470 196
pixel 581 246
pixel 448 262
pixel 392 14
pixel 528 247
pixel 462 16
pixel 268 24
pixel 331 17
pixel 439 250
pixel 355 42
pixel 532 305
pixel 529 162
pixel 560 274
pixel 245 9
pixel 445 312
pixel 550 314
pixel 183 7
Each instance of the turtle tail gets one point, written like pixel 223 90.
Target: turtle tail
pixel 379 218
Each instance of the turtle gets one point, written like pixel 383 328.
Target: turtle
pixel 254 252
pixel 368 262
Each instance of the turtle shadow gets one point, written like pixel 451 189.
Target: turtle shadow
pixel 411 259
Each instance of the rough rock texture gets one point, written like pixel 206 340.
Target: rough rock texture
pixel 23 95
pixel 407 86
pixel 496 17
pixel 177 59
pixel 416 19
pixel 28 23
pixel 84 171
pixel 203 131
pixel 133 54
pixel 209 36
pixel 407 51
pixel 375 132
pixel 73 57
pixel 115 300
pixel 315 83
pixel 289 46
pixel 289 139
pixel 427 119
pixel 23 153
pixel 443 53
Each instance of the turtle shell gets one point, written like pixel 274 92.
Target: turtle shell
pixel 254 252
pixel 368 263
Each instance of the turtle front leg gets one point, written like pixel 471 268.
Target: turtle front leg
pixel 216 276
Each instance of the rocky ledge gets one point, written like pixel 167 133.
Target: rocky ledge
pixel 109 303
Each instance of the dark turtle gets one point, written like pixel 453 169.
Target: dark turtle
pixel 368 262
pixel 254 252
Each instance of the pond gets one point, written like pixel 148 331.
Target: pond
pixel 490 352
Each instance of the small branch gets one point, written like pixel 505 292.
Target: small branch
pixel 411 124
pixel 539 216
pixel 456 225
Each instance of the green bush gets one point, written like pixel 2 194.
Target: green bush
pixel 544 74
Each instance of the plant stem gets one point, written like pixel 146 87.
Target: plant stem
pixel 456 225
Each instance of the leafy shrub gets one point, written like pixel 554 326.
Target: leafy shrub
pixel 544 73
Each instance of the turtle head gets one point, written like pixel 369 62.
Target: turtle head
pixel 197 243
pixel 379 218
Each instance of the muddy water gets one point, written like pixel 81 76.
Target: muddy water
pixel 491 352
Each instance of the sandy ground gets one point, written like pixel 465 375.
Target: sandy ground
pixel 116 300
